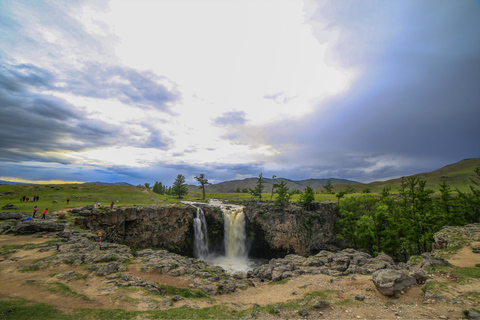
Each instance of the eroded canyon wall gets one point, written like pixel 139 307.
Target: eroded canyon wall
pixel 271 231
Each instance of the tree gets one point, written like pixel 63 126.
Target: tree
pixel 158 188
pixel 257 191
pixel 203 182
pixel 147 185
pixel 307 197
pixel 179 187
pixel 328 187
pixel 340 194
pixel 473 198
pixel 282 191
pixel 273 186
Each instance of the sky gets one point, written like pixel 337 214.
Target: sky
pixel 142 91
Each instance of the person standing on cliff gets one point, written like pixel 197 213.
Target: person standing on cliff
pixel 111 205
pixel 44 213
pixel 35 210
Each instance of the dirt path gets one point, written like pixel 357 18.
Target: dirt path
pixel 465 257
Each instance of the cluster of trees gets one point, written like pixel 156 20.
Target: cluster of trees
pixel 179 187
pixel 404 225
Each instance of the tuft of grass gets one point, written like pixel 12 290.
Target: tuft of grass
pixel 58 287
pixel 283 281
pixel 322 294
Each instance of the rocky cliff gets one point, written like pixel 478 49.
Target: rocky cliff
pixel 274 232
pixel 271 231
pixel 150 227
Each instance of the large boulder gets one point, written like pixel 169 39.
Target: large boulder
pixel 389 282
pixel 33 226
pixel 11 215
pixel 429 260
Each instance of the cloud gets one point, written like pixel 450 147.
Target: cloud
pixel 34 121
pixel 279 97
pixel 143 89
pixel 414 106
pixel 231 118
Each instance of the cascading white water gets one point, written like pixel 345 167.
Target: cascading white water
pixel 200 243
pixel 235 258
pixel 234 233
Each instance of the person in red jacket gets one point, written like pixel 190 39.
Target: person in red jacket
pixel 44 213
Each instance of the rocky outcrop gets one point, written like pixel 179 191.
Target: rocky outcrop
pixel 151 226
pixel 275 232
pixel 34 226
pixel 11 215
pixel 345 262
pixel 454 236
pixel 389 282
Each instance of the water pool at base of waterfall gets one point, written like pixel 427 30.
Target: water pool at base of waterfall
pixel 233 265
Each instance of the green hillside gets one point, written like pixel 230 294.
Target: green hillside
pixel 457 175
pixel 78 194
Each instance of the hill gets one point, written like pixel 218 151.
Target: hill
pixel 98 183
pixel 457 175
pixel 231 186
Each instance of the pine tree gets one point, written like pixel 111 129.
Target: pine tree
pixel 282 191
pixel 307 197
pixel 257 191
pixel 179 187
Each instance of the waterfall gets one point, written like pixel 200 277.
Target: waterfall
pixel 200 244
pixel 234 224
pixel 235 258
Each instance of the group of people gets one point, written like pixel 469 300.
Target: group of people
pixel 35 211
pixel 25 199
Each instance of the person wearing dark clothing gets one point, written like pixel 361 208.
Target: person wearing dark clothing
pixel 111 205
pixel 68 200
pixel 23 199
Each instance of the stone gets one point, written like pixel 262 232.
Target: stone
pixel 429 261
pixel 304 313
pixel 359 297
pixel 389 282
pixel 32 226
pixel 10 215
pixel 110 268
pixel 321 304
pixel 419 274
pixel 385 258
pixel 176 298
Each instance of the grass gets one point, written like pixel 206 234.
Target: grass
pixel 323 294
pixel 20 309
pixel 283 281
pixel 58 287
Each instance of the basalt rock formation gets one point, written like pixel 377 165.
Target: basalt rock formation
pixel 272 231
pixel 149 227
pixel 275 232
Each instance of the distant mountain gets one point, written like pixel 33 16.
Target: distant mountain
pixel 10 182
pixel 231 186
pixel 98 183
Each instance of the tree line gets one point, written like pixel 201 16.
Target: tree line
pixel 403 225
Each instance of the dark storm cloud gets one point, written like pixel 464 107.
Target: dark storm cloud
pixel 415 103
pixel 232 118
pixel 142 89
pixel 34 122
